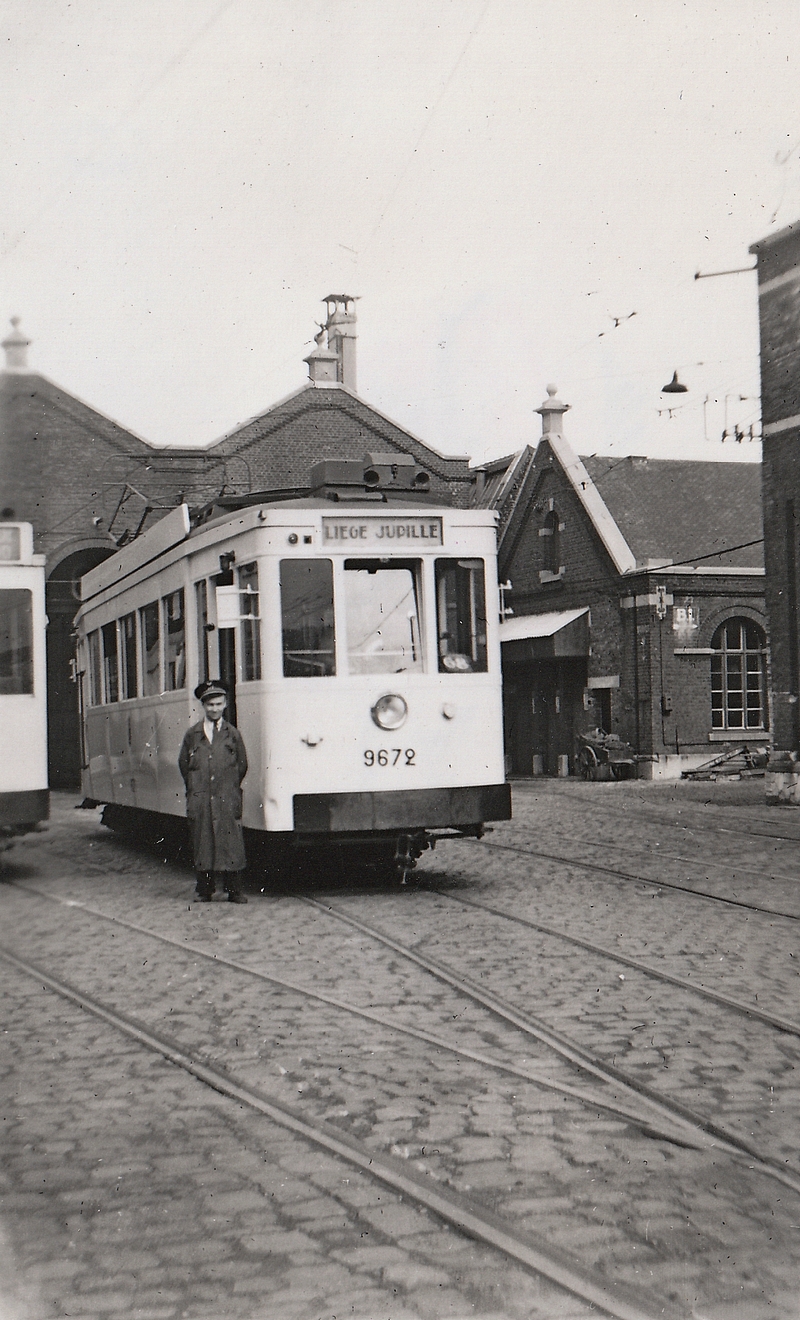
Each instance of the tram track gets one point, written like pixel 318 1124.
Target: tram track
pixel 700 819
pixel 666 1119
pixel 674 1128
pixel 568 1048
pixel 613 1299
pixel 725 1001
pixel 659 856
pixel 455 1203
pixel 630 877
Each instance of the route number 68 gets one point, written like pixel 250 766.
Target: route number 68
pixel 390 756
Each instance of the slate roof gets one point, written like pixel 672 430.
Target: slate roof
pixel 686 511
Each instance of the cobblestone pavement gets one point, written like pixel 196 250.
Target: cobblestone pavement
pixel 133 1190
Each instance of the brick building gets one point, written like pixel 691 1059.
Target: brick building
pixel 778 263
pixel 88 485
pixel 638 604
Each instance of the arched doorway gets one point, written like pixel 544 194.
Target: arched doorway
pixel 63 730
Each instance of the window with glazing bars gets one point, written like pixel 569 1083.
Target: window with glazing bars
pixel 249 613
pixel 739 676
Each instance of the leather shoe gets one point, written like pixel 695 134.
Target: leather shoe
pixel 237 898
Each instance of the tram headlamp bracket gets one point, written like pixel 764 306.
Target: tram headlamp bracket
pixel 389 711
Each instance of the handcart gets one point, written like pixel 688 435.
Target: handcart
pixel 604 755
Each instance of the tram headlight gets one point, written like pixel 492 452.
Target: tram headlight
pixel 389 712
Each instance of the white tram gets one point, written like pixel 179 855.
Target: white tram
pixel 356 627
pixel 24 795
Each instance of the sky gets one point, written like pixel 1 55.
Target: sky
pixel 518 192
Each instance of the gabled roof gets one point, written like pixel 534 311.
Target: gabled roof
pixel 686 511
pixel 493 479
pixel 647 512
pixel 39 392
pixel 311 400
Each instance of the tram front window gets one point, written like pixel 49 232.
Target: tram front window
pixel 461 616
pixel 16 643
pixel 307 618
pixel 382 608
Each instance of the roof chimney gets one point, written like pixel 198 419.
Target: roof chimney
pixel 16 346
pixel 552 410
pixel 341 331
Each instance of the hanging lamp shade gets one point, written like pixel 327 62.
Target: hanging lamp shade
pixel 674 386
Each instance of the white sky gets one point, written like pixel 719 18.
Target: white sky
pixel 184 180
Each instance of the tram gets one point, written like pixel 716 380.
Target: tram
pixel 355 625
pixel 24 795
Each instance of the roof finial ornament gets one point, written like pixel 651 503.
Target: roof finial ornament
pixel 551 412
pixel 323 363
pixel 16 346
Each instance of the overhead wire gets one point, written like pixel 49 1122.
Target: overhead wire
pixel 428 121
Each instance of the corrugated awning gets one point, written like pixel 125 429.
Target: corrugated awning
pixel 561 633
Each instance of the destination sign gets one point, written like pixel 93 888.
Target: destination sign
pixel 382 533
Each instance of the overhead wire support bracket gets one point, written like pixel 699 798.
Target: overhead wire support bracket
pixel 711 274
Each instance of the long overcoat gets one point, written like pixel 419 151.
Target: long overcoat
pixel 213 774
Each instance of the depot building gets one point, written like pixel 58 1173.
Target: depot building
pixel 633 595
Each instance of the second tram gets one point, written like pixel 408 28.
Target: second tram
pixel 24 795
pixel 356 628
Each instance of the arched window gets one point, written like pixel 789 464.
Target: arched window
pixel 739 676
pixel 551 541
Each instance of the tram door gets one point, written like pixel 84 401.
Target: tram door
pixel 227 603
pixel 227 668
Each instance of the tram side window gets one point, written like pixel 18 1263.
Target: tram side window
pixel 174 642
pixel 151 650
pixel 108 633
pixel 461 615
pixel 307 618
pixel 382 614
pixel 249 612
pixel 16 642
pixel 95 669
pixel 130 668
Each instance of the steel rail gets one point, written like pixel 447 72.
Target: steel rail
pixel 737 1005
pixel 622 1303
pixel 680 1134
pixel 638 879
pixel 779 878
pixel 652 814
pixel 535 1027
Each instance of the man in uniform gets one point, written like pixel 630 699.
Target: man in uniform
pixel 213 763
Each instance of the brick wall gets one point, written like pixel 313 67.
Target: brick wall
pixel 779 322
pixel 62 466
pixel 280 447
